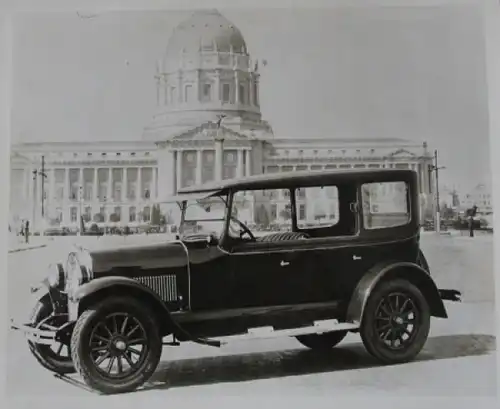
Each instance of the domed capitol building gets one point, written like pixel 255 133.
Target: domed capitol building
pixel 206 72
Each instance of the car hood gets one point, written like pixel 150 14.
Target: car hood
pixel 151 256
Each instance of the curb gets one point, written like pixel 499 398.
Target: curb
pixel 38 246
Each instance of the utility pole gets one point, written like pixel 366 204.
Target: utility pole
pixel 44 175
pixel 436 168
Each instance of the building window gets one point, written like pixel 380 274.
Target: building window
pixel 226 93
pixel 146 214
pixel 88 214
pixel 117 214
pixel 302 212
pixel 207 92
pixel 188 92
pixel 173 94
pixel 118 154
pixel 59 215
pixel 73 214
pixel 242 94
pixel 132 215
pixel 274 212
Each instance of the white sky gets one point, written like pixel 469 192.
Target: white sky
pixel 417 74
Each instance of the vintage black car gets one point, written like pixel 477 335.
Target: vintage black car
pixel 352 265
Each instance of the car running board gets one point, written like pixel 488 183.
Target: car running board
pixel 319 327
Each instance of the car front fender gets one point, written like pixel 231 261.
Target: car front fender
pixel 395 270
pixel 90 292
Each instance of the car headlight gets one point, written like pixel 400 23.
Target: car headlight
pixel 78 270
pixel 55 275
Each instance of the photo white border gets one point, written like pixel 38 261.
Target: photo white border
pixel 491 9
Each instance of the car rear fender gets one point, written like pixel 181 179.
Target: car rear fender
pixel 389 271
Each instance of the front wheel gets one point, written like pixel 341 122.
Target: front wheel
pixel 396 322
pixel 56 358
pixel 116 346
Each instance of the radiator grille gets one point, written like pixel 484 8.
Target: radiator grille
pixel 164 286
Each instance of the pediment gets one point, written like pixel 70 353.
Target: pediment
pixel 209 131
pixel 401 153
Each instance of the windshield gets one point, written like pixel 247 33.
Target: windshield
pixel 201 216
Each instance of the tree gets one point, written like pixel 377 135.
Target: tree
pixel 98 218
pixel 156 216
pixel 286 214
pixel 114 218
pixel 261 216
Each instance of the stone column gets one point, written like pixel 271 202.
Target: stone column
pixel 124 185
pixel 199 167
pixel 250 91
pixel 66 185
pixel 240 169
pixel 178 170
pixel 217 86
pixel 80 179
pixel 237 87
pixel 219 166
pixel 197 86
pixel 139 183
pixel 109 193
pixel 95 185
pixel 179 82
pixel 248 163
pixel 153 191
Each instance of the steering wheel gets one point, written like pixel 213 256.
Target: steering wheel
pixel 245 229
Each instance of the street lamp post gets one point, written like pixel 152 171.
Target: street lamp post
pixel 436 168
pixel 80 190
pixel 43 175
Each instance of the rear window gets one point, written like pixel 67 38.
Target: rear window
pixel 385 205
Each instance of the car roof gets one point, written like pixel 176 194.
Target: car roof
pixel 300 178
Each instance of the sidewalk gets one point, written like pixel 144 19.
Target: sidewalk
pixel 17 244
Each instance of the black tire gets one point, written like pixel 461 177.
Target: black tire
pixel 134 322
pixel 322 342
pixel 50 357
pixel 379 322
pixel 422 261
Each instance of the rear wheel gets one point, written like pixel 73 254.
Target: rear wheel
pixel 116 345
pixel 396 322
pixel 322 341
pixel 56 358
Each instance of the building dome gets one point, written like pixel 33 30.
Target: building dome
pixel 206 71
pixel 205 31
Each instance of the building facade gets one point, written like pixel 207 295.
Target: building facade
pixel 208 126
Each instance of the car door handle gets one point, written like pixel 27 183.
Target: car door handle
pixel 355 257
pixel 284 263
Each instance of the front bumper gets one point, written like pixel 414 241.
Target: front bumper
pixel 450 295
pixel 36 335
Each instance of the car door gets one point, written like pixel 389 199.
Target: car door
pixel 267 274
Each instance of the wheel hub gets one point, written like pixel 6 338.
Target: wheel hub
pixel 398 320
pixel 120 345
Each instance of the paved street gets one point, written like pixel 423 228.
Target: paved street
pixel 458 350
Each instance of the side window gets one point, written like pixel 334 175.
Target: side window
pixel 317 206
pixel 263 210
pixel 385 205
